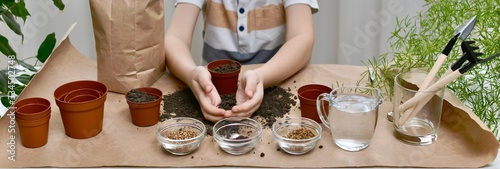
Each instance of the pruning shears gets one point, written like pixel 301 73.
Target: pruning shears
pixel 461 32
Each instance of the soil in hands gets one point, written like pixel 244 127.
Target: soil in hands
pixel 137 96
pixel 276 103
pixel 226 68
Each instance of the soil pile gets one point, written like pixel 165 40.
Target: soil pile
pixel 276 103
pixel 137 96
pixel 226 68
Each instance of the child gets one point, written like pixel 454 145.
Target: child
pixel 278 33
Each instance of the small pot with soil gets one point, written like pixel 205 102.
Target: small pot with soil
pixel 225 75
pixel 144 105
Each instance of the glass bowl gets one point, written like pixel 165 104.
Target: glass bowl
pixel 296 135
pixel 180 135
pixel 237 135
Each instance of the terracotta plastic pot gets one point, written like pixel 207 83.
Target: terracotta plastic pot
pixel 81 119
pixel 64 89
pixel 33 108
pixel 307 98
pixel 225 83
pixel 34 133
pixel 148 113
pixel 82 95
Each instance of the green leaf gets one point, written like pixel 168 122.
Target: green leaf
pixel 24 78
pixel 19 9
pixel 6 101
pixel 59 4
pixel 5 47
pixel 19 88
pixel 27 66
pixel 46 47
pixel 4 81
pixel 11 22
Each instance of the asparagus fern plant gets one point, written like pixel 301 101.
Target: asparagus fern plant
pixel 417 41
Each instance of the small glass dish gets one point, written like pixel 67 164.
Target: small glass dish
pixel 237 135
pixel 180 135
pixel 296 135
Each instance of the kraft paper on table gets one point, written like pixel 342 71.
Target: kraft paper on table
pixel 463 141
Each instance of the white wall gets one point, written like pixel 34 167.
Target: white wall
pixel 347 31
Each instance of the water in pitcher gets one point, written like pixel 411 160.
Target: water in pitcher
pixel 353 118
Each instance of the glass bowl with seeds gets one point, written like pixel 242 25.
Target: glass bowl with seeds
pixel 296 135
pixel 180 135
pixel 237 135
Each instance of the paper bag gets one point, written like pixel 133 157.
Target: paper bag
pixel 129 42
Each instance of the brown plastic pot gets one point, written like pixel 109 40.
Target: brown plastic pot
pixel 225 83
pixel 148 113
pixel 33 108
pixel 82 95
pixel 81 119
pixel 34 133
pixel 64 89
pixel 307 98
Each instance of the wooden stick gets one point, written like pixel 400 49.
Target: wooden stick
pixel 434 70
pixel 425 97
pixel 427 81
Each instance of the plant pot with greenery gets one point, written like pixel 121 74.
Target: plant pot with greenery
pixel 144 105
pixel 225 75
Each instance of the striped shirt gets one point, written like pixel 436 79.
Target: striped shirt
pixel 249 31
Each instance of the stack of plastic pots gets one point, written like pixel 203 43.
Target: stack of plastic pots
pixel 81 104
pixel 32 116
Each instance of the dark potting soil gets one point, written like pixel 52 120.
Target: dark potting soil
pixel 276 103
pixel 137 96
pixel 226 68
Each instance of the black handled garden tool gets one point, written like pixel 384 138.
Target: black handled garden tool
pixel 458 68
pixel 461 32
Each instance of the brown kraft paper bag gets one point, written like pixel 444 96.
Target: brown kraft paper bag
pixel 129 42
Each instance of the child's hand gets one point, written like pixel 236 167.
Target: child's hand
pixel 205 92
pixel 249 95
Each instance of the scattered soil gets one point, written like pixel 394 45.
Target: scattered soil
pixel 320 146
pixel 276 103
pixel 300 134
pixel 226 68
pixel 137 96
pixel 182 135
pixel 262 154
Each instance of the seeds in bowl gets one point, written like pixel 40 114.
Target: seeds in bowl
pixel 300 134
pixel 182 135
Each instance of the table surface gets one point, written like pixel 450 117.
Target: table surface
pixel 463 142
